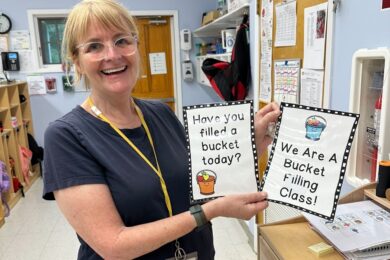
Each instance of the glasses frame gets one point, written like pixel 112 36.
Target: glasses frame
pixel 112 45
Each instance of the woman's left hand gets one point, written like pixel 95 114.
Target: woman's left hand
pixel 263 118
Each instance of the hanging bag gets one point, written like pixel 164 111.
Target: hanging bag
pixel 25 159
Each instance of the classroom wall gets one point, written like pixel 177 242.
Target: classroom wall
pixel 358 24
pixel 47 108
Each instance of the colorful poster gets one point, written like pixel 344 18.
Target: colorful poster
pixel 222 153
pixel 308 158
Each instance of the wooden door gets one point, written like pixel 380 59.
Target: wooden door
pixel 155 39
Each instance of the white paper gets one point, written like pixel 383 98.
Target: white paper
pixel 36 85
pixel 357 226
pixel 158 64
pixel 266 50
pixel 26 61
pixel 3 43
pixel 286 24
pixel 311 87
pixel 314 36
pixel 308 158
pixel 222 151
pixel 286 77
pixel 20 40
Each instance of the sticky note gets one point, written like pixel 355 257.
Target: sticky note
pixel 321 249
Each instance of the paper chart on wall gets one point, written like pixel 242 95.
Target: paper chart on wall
pixel 266 50
pixel 20 40
pixel 286 77
pixel 311 87
pixel 314 36
pixel 286 24
pixel 308 158
pixel 222 153
pixel 36 85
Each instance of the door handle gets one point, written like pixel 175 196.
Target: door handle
pixel 144 76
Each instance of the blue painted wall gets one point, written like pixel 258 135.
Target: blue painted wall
pixel 358 24
pixel 49 107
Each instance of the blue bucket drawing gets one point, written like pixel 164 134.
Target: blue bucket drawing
pixel 314 125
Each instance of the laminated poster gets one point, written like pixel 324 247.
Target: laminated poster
pixel 222 152
pixel 308 158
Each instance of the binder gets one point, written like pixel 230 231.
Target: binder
pixel 360 230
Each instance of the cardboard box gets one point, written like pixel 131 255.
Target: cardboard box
pixel 234 4
pixel 210 16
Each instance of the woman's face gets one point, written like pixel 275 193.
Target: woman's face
pixel 113 69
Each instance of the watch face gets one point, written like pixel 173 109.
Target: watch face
pixel 5 24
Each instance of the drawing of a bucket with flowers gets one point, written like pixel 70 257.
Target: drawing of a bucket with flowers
pixel 314 125
pixel 206 180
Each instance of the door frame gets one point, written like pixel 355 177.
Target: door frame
pixel 175 41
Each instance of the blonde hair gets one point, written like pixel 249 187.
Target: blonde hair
pixel 109 13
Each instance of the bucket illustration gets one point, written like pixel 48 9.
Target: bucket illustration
pixel 206 180
pixel 314 125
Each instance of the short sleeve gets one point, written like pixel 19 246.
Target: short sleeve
pixel 67 160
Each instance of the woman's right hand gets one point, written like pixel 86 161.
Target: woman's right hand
pixel 242 206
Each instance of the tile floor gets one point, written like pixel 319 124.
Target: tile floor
pixel 36 230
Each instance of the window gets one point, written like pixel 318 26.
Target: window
pixel 47 27
pixel 50 36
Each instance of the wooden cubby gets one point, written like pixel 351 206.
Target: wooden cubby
pixel 12 104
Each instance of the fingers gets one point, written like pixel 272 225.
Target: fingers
pixel 267 114
pixel 255 197
pixel 271 107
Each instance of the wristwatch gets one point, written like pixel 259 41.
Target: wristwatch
pixel 199 216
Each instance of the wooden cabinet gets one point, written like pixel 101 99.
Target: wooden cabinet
pixel 290 239
pixel 16 122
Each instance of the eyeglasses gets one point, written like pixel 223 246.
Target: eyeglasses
pixel 125 45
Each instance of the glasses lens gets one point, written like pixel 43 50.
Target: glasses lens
pixel 126 45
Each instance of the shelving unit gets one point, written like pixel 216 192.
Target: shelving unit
pixel 11 138
pixel 231 19
pixel 213 29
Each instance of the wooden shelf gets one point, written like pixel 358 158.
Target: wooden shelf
pixel 14 106
pixel 214 28
pixel 12 138
pixel 371 193
pixel 5 132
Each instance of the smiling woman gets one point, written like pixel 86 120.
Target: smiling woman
pixel 131 154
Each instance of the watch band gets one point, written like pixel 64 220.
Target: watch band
pixel 199 216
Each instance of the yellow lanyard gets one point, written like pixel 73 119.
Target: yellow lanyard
pixel 99 114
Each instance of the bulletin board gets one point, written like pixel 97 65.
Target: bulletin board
pixel 287 53
pixel 290 52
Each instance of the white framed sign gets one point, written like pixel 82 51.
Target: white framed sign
pixel 222 152
pixel 308 158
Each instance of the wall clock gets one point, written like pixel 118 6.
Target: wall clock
pixel 5 23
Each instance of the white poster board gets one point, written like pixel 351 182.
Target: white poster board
pixel 308 158
pixel 222 152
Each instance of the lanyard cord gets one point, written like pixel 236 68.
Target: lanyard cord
pixel 99 114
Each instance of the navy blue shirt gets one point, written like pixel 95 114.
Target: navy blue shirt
pixel 81 149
